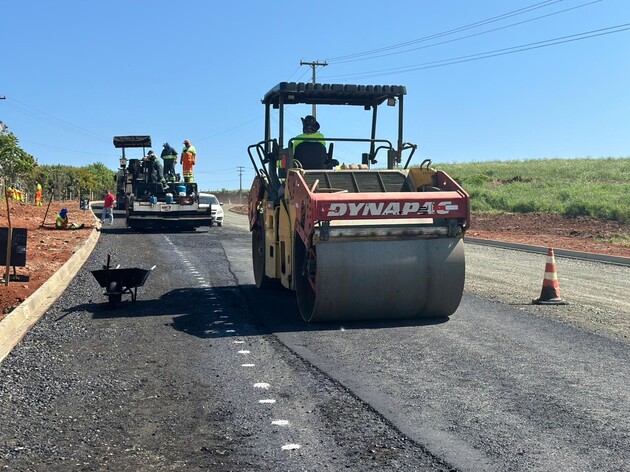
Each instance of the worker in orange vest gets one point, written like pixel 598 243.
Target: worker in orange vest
pixel 188 160
pixel 38 194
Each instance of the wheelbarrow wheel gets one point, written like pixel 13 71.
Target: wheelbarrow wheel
pixel 116 298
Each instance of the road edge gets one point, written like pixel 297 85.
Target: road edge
pixel 16 324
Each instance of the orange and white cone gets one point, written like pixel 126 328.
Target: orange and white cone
pixel 550 293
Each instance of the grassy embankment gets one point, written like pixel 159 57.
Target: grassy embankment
pixel 598 188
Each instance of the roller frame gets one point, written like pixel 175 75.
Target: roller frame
pixel 380 246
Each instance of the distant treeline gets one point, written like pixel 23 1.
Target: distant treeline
pixel 67 182
pixel 571 187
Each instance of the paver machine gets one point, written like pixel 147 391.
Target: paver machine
pixel 355 242
pixel 150 204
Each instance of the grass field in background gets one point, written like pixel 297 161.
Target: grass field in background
pixel 572 187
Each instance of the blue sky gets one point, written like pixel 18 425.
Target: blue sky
pixel 77 73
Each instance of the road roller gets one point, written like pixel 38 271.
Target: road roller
pixel 355 241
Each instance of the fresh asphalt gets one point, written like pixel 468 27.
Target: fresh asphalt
pixel 205 371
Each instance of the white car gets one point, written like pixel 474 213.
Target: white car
pixel 208 202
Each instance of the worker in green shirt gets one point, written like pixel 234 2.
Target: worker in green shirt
pixel 310 128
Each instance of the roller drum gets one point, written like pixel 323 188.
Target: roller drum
pixel 384 279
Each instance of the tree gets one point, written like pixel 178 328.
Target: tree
pixel 103 177
pixel 14 161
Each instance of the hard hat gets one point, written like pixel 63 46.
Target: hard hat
pixel 309 124
pixel 63 212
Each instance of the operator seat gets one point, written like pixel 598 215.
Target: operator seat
pixel 311 154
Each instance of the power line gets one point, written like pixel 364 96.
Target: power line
pixel 494 53
pixel 230 129
pixel 511 25
pixel 294 72
pixel 50 119
pixel 78 151
pixel 520 11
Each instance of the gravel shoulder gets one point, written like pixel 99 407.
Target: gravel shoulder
pixel 597 293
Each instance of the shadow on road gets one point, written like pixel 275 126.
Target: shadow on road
pixel 230 311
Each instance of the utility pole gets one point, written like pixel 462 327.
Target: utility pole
pixel 240 170
pixel 314 65
pixel 3 127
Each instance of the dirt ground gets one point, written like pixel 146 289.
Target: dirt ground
pixel 555 231
pixel 48 248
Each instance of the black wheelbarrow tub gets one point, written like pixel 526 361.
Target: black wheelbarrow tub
pixel 128 278
pixel 119 281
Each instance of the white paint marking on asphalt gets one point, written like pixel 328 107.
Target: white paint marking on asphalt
pixel 290 447
pixel 267 400
pixel 244 351
pixel 224 316
pixel 280 422
pixel 263 385
pixel 248 365
pixel 230 331
pixel 239 342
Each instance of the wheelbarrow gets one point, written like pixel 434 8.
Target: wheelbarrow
pixel 117 282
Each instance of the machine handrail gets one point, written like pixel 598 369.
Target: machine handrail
pixel 413 148
pixel 263 160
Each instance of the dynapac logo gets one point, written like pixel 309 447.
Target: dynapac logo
pixel 364 209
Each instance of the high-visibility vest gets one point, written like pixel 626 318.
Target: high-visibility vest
pixel 189 157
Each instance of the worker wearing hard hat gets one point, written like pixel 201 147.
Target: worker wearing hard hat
pixel 61 221
pixel 310 131
pixel 38 194
pixel 188 160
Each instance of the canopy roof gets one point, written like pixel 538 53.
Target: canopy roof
pixel 332 94
pixel 132 141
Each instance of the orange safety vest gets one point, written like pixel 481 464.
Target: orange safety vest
pixel 188 160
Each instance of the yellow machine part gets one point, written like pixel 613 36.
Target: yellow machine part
pixel 422 176
pixel 286 222
pixel 278 242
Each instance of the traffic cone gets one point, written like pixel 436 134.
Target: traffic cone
pixel 550 293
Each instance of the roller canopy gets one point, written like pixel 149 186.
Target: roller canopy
pixel 332 94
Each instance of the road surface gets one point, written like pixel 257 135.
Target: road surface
pixel 206 372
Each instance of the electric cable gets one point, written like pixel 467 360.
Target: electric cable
pixel 50 119
pixel 488 54
pixel 520 11
pixel 511 25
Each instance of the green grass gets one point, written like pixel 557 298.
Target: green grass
pixel 598 188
